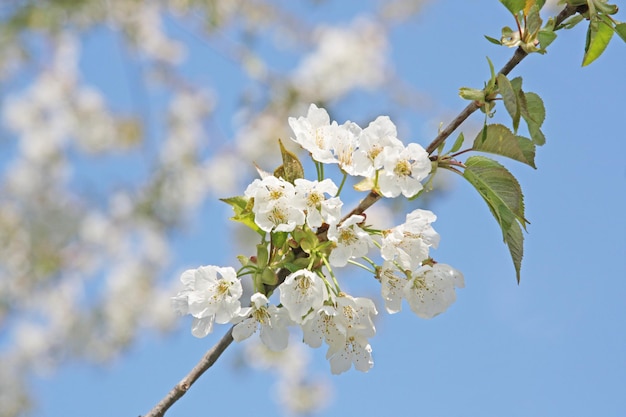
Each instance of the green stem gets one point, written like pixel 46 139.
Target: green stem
pixel 343 181
pixel 332 275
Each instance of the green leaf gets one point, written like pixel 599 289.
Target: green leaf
pixel 521 101
pixel 510 99
pixel 503 196
pixel 279 239
pixel 291 169
pixel 533 20
pixel 571 22
pixel 545 37
pixel 262 255
pixel 514 6
pixel 536 135
pixel 534 111
pixel 500 140
pixel 268 277
pixel 458 143
pixel 620 29
pixel 239 203
pixel 483 137
pixel 498 187
pixel 538 3
pixel 528 149
pixel 599 35
pixel 516 83
pixel 473 94
pixel 514 239
pixel 492 81
pixel 493 40
pixel 242 207
pixel 604 8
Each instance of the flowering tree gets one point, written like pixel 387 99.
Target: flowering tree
pixel 59 235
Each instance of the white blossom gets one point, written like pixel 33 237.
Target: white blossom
pixel 313 134
pixel 323 328
pixel 344 142
pixel 392 287
pixel 351 240
pixel 378 135
pixel 430 289
pixel 403 170
pixel 356 315
pixel 269 191
pixel 319 208
pixel 276 205
pixel 301 292
pixel 345 327
pixel 208 298
pixel 355 350
pixel 409 243
pixel 273 322
pixel 354 321
pixel 280 217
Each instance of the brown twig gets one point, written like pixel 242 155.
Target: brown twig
pixel 201 367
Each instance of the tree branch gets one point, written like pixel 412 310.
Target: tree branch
pixel 183 386
pixel 517 57
pixel 215 352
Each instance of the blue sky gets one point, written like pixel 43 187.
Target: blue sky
pixel 553 345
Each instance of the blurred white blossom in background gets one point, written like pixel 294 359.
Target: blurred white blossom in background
pixel 86 259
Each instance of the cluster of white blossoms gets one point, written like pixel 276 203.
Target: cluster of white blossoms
pixel 373 152
pixel 309 237
pixel 96 179
pixel 280 206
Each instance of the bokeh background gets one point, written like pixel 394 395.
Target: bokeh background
pixel 124 121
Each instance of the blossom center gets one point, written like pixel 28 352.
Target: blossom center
pixel 347 237
pixel 261 315
pixel 276 193
pixel 402 168
pixel 374 152
pixel 222 289
pixel 277 216
pixel 419 283
pixel 349 313
pixel 315 199
pixel 304 283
